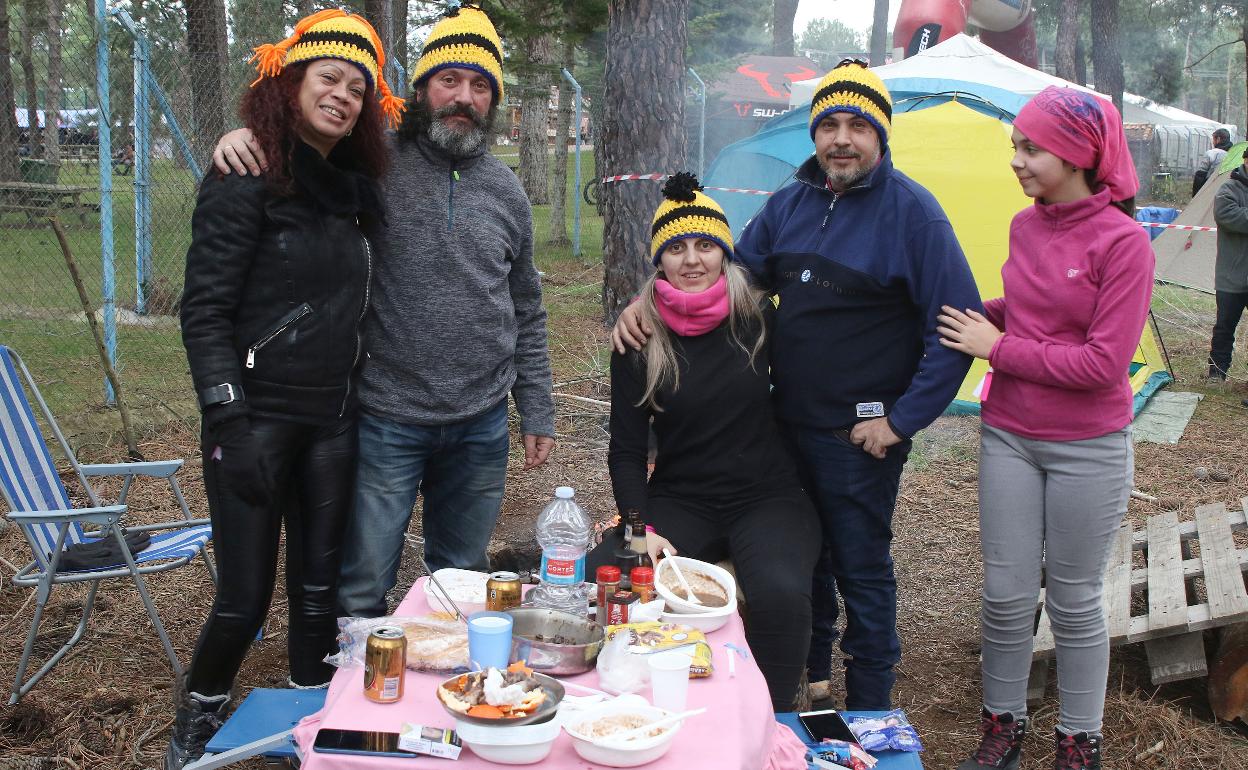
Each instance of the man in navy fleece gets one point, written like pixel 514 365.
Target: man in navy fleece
pixel 861 258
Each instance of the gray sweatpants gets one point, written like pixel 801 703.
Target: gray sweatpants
pixel 1063 501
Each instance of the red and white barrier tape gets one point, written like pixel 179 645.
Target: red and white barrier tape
pixel 747 191
pixel 1195 228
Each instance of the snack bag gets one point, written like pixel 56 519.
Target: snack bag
pixel 651 637
pixel 843 754
pixel 890 731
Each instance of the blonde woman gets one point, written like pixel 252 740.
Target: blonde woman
pixel 723 484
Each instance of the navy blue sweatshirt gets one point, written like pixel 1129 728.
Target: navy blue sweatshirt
pixel 861 276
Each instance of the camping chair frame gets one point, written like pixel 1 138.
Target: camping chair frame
pixel 42 572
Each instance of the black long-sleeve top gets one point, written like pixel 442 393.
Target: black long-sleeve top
pixel 717 435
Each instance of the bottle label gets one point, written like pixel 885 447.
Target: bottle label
pixel 563 572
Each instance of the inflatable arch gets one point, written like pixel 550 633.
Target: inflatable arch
pixel 1006 25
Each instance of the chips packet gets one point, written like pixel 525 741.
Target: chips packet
pixel 651 637
pixel 890 731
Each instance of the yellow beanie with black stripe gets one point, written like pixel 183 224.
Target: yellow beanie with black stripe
pixel 687 212
pixel 851 87
pixel 332 34
pixel 464 38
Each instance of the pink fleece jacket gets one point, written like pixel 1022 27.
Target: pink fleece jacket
pixel 1078 282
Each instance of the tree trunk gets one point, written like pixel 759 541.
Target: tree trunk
pixel 9 170
pixel 207 50
pixel 378 13
pixel 879 33
pixel 303 8
pixel 1081 62
pixel 783 13
pixel 26 59
pixel 1067 40
pixel 52 99
pixel 643 130
pixel 1106 58
pixel 563 129
pixel 398 46
pixel 535 119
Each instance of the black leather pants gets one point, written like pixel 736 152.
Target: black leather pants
pixel 280 470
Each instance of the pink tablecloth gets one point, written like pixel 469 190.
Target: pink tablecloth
pixel 738 730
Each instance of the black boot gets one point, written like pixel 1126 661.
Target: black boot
pixel 1000 744
pixel 1081 751
pixel 197 720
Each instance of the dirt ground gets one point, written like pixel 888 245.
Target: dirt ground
pixel 108 704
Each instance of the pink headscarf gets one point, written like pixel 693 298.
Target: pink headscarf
pixel 1085 130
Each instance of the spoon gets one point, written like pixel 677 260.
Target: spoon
pixel 417 545
pixel 667 553
pixel 615 739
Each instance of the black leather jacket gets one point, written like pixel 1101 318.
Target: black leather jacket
pixel 277 287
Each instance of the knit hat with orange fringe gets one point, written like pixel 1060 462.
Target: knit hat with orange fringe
pixel 332 34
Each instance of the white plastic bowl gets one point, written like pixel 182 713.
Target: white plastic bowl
pixel 676 601
pixel 523 745
pixel 706 622
pixel 639 752
pixel 465 586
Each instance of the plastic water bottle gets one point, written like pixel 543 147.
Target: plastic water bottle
pixel 563 532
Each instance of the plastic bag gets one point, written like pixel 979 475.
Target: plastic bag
pixel 620 671
pixel 433 644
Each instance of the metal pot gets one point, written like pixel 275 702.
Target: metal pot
pixel 581 641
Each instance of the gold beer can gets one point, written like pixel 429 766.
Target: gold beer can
pixel 502 591
pixel 385 657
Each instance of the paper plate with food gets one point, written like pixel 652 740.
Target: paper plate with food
pixel 502 697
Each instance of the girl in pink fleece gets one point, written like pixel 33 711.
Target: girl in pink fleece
pixel 1056 457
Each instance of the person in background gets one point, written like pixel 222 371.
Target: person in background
pixel 1230 277
pixel 1212 158
pixel 456 324
pixel 723 486
pixel 860 258
pixel 277 285
pixel 1056 454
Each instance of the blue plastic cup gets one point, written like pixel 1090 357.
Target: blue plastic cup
pixel 489 640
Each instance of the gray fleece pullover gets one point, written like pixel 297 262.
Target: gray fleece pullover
pixel 457 319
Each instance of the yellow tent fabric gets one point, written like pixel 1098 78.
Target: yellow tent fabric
pixel 963 157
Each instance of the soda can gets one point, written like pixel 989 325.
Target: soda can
pixel 502 591
pixel 384 660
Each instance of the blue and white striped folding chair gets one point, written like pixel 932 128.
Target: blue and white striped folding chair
pixel 39 504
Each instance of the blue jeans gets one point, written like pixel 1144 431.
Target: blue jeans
pixel 460 469
pixel 854 494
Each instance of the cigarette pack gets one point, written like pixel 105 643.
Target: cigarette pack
pixel 434 741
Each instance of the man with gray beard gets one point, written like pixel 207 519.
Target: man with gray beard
pixel 860 258
pixel 456 323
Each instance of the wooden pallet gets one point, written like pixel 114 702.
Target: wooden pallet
pixel 1172 626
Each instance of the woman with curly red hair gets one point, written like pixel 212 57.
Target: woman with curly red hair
pixel 277 287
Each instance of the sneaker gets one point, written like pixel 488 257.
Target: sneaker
pixel 198 719
pixel 1001 742
pixel 1081 751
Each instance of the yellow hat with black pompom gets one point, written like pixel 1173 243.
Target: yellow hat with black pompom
pixel 687 212
pixel 332 34
pixel 851 87
pixel 465 38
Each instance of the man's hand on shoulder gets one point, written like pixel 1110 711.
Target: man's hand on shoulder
pixel 629 330
pixel 238 151
pixel 874 436
pixel 536 450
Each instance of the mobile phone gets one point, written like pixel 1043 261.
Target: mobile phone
pixel 331 741
pixel 826 724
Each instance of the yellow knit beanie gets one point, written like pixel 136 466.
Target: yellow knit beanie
pixel 464 38
pixel 851 87
pixel 687 212
pixel 332 34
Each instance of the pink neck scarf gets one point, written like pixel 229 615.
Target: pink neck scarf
pixel 692 315
pixel 1085 130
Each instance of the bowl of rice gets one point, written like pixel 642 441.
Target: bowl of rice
pixel 591 733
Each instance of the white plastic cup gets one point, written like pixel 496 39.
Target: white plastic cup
pixel 669 679
pixel 489 639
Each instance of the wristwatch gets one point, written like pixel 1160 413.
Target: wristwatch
pixel 225 393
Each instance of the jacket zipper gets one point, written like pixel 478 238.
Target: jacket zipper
pixel 368 282
pixel 283 325
pixel 450 203
pixel 835 197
